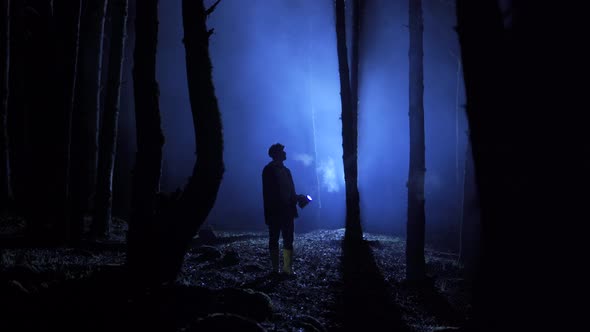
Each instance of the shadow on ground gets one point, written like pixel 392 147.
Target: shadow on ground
pixel 364 302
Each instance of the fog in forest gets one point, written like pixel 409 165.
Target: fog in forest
pixel 276 79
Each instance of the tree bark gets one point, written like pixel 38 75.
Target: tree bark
pixel 39 154
pixel 67 29
pixel 109 123
pixel 141 255
pixel 353 231
pixel 470 219
pixel 480 32
pixel 16 115
pixel 87 110
pixel 162 226
pixel 200 193
pixel 526 160
pixel 354 59
pixel 51 58
pixel 5 189
pixel 415 264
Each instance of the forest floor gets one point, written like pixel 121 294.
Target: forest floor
pixel 226 282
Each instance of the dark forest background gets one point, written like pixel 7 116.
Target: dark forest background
pixel 90 129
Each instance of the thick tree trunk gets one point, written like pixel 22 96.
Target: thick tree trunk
pixel 200 193
pixel 481 33
pixel 109 124
pixel 86 114
pixel 349 130
pixel 415 264
pixel 5 190
pixel 141 254
pixel 527 161
pixel 161 228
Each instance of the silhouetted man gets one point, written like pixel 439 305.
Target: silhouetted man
pixel 280 207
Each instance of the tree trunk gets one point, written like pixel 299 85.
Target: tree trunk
pixel 527 161
pixel 480 31
pixel 458 183
pixel 16 126
pixel 354 59
pixel 141 255
pixel 67 29
pixel 39 157
pixel 50 78
pixel 200 193
pixel 415 265
pixel 108 132
pixel 5 190
pixel 469 238
pixel 126 144
pixel 162 227
pixel 481 34
pixel 349 130
pixel 86 115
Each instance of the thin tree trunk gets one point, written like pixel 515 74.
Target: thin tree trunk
pixel 457 113
pixel 141 254
pixel 39 155
pixel 67 33
pixel 354 60
pixel 50 57
pixel 109 123
pixel 470 228
pixel 415 264
pixel 86 114
pixel 16 124
pixel 125 154
pixel 349 131
pixel 200 193
pixel 5 190
pixel 356 232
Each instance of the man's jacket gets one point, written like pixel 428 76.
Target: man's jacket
pixel 278 190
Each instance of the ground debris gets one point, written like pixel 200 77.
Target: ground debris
pixel 228 281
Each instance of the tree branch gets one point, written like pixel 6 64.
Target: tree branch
pixel 212 8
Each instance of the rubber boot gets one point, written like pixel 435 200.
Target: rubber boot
pixel 274 259
pixel 288 261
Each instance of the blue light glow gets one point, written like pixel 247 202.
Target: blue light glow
pixel 276 79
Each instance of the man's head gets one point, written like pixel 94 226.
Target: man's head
pixel 277 152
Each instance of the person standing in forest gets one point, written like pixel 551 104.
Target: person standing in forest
pixel 280 207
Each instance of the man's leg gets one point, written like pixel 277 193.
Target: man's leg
pixel 288 228
pixel 274 230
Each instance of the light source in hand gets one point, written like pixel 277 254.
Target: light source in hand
pixel 303 200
